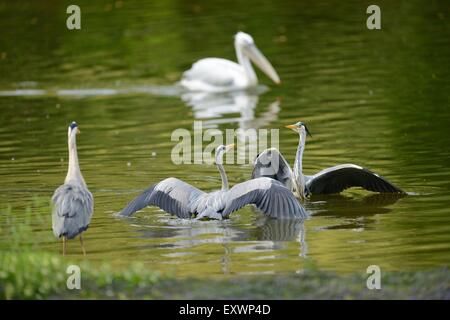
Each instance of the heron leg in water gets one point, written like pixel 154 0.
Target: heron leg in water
pixel 64 245
pixel 82 245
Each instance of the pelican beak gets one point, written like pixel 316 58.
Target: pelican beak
pixel 292 127
pixel 229 147
pixel 258 58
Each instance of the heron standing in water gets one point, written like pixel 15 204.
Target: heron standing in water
pixel 271 163
pixel 73 203
pixel 185 201
pixel 221 75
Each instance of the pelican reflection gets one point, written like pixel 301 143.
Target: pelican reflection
pixel 237 107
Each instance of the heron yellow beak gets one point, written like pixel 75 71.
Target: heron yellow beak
pixel 78 131
pixel 292 126
pixel 230 146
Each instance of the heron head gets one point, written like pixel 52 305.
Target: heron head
pixel 221 150
pixel 73 129
pixel 299 127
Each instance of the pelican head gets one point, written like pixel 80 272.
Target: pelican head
pixel 298 127
pixel 221 150
pixel 245 43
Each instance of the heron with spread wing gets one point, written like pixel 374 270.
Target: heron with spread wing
pixel 179 198
pixel 271 163
pixel 73 203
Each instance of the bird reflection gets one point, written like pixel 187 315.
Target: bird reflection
pixel 233 107
pixel 277 230
pixel 354 212
pixel 265 235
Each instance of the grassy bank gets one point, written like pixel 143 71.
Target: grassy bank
pixel 28 272
pixel 34 275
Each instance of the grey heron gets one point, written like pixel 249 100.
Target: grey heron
pixel 221 75
pixel 185 201
pixel 271 163
pixel 73 203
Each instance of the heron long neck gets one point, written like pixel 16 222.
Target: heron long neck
pixel 298 170
pixel 74 172
pixel 223 174
pixel 244 61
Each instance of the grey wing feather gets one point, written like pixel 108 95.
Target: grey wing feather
pixel 138 203
pixel 171 195
pixel 271 164
pixel 73 206
pixel 341 177
pixel 268 195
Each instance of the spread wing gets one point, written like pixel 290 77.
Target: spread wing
pixel 341 177
pixel 171 195
pixel 271 163
pixel 268 195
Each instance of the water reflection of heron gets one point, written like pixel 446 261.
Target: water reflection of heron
pixel 355 213
pixel 338 205
pixel 278 230
pixel 265 235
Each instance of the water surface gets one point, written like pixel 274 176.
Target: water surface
pixel 375 98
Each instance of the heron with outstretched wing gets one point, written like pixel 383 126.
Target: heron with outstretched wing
pixel 181 199
pixel 271 163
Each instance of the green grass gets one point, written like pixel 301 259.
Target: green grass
pixel 39 275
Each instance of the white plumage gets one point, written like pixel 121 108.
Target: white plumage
pixel 221 75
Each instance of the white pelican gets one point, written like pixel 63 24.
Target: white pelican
pixel 271 163
pixel 221 75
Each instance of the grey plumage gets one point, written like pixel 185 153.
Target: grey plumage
pixel 185 201
pixel 72 210
pixel 268 195
pixel 73 203
pixel 171 195
pixel 271 163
